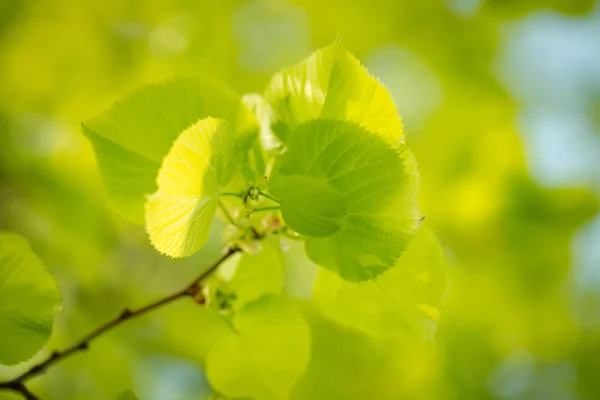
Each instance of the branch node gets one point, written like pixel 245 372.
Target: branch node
pixel 125 313
pixel 199 298
pixel 192 290
pixel 83 346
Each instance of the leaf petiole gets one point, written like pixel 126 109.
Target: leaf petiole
pixel 228 216
pixel 272 208
pixel 231 195
pixel 268 196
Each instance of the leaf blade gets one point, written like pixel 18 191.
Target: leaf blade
pixel 367 227
pixel 200 163
pixel 265 356
pixel 331 83
pixel 407 296
pixel 29 300
pixel 132 137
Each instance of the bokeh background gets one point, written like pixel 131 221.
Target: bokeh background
pixel 501 102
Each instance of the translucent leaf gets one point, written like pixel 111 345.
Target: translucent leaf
pixel 131 138
pixel 258 275
pixel 352 193
pixel 265 354
pixel 29 299
pixel 127 395
pixel 407 296
pixel 200 164
pixel 332 84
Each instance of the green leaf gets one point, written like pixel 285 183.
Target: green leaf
pixel 29 299
pixel 407 296
pixel 127 395
pixel 332 84
pixel 352 193
pixel 265 354
pixel 197 168
pixel 131 138
pixel 256 275
pixel 310 206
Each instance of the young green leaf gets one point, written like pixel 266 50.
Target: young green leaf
pixel 198 166
pixel 29 299
pixel 131 138
pixel 265 354
pixel 407 296
pixel 332 84
pixel 352 193
pixel 256 275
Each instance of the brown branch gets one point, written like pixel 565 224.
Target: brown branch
pixel 193 289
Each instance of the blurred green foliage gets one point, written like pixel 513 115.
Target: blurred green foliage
pixel 515 325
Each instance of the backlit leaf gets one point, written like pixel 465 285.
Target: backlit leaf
pixel 407 296
pixel 200 164
pixel 331 83
pixel 257 275
pixel 264 355
pixel 132 138
pixel 29 299
pixel 352 193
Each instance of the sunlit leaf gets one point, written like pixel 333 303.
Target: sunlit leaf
pixel 29 299
pixel 352 192
pixel 264 355
pixel 201 162
pixel 407 296
pixel 257 275
pixel 132 137
pixel 332 84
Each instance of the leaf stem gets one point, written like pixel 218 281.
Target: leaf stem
pixel 271 208
pixel 231 195
pixel 193 290
pixel 268 196
pixel 228 216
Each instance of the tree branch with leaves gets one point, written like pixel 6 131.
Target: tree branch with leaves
pixel 319 156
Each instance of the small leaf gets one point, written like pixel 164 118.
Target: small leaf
pixel 265 355
pixel 352 193
pixel 131 138
pixel 332 84
pixel 198 166
pixel 29 299
pixel 407 296
pixel 258 275
pixel 127 395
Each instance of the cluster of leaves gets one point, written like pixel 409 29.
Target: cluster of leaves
pixel 319 157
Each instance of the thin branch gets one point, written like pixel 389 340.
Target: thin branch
pixel 268 196
pixel 19 387
pixel 193 289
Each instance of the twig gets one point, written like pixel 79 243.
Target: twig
pixel 19 387
pixel 193 289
